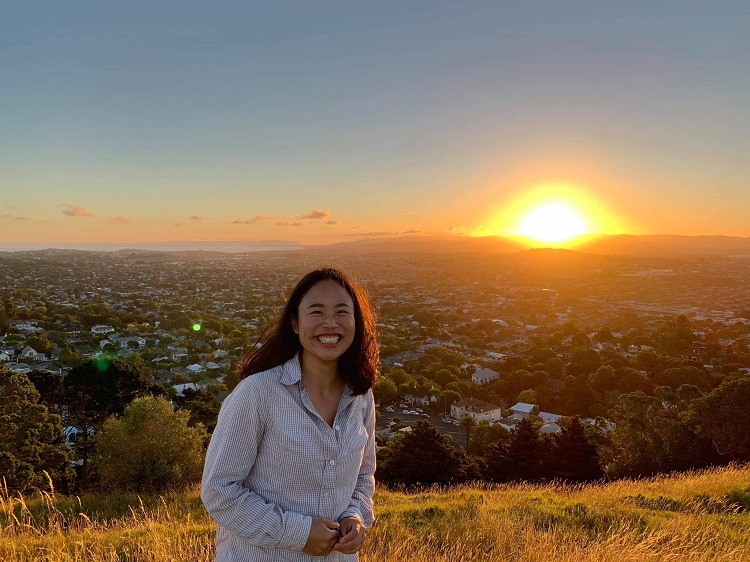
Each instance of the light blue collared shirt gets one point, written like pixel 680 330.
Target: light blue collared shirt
pixel 273 463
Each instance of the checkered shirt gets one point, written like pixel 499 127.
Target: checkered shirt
pixel 273 463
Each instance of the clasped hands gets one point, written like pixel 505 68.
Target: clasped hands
pixel 346 536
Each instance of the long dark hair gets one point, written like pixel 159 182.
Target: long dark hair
pixel 358 366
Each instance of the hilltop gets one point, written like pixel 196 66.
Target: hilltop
pixel 697 517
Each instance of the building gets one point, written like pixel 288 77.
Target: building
pixel 483 376
pixel 477 409
pixel 101 329
pixel 524 409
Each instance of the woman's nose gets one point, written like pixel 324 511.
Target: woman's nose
pixel 330 321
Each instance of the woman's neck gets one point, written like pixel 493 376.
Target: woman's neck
pixel 321 376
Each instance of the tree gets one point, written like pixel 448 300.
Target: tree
pixel 723 416
pixel 386 391
pixel 424 456
pixel 484 435
pixel 467 423
pixel 49 385
pixel 651 435
pixel 201 406
pixel 151 448
pixel 94 390
pixel 31 439
pixel 529 396
pixel 576 457
pixel 523 457
pixel 68 357
pixel 40 345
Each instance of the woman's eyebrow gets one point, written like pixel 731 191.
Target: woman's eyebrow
pixel 318 305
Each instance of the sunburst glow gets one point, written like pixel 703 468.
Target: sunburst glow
pixel 552 222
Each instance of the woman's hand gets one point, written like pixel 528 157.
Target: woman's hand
pixel 323 536
pixel 352 535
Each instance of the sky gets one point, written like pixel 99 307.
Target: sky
pixel 320 121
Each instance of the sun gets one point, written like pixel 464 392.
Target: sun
pixel 552 222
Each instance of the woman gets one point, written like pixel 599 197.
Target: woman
pixel 289 473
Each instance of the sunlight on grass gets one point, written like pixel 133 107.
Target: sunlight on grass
pixel 698 516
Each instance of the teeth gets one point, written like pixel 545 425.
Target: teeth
pixel 328 339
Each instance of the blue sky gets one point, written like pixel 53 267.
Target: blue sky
pixel 389 116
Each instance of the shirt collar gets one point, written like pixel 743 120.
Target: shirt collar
pixel 291 372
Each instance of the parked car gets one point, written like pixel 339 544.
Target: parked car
pixel 407 412
pixel 402 406
pixel 425 415
pixel 420 410
pixel 388 409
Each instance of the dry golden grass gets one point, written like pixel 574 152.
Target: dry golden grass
pixel 697 517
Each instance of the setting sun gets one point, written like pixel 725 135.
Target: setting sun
pixel 552 222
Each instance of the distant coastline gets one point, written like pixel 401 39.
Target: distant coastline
pixel 230 248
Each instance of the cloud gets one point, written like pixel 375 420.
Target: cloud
pixel 22 218
pixel 196 218
pixel 384 233
pixel 290 224
pixel 121 220
pixel 332 223
pixel 317 214
pixel 177 225
pixel 408 213
pixel 11 207
pixel 75 211
pixel 6 216
pixel 457 230
pixel 255 219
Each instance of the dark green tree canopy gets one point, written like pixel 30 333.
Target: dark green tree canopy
pixel 424 456
pixel 31 439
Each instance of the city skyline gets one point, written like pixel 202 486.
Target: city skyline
pixel 329 122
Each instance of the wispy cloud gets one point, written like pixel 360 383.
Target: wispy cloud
pixel 255 219
pixel 22 218
pixel 384 233
pixel 317 214
pixel 197 218
pixel 332 223
pixel 75 211
pixel 121 220
pixel 177 225
pixel 408 213
pixel 457 230
pixel 290 224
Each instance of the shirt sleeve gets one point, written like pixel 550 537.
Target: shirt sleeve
pixel 230 456
pixel 361 503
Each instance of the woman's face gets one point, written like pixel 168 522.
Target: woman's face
pixel 325 321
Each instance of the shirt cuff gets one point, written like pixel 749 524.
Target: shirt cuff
pixel 296 531
pixel 352 512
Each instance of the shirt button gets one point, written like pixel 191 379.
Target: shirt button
pixel 332 462
pixel 337 428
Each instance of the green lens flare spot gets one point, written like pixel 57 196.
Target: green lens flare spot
pixel 102 363
pixel 196 327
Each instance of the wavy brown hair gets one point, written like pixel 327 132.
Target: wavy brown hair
pixel 358 365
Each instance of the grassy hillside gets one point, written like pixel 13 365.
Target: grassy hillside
pixel 702 516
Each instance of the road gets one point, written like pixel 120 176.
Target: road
pixel 453 430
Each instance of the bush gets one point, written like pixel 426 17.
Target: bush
pixel 150 448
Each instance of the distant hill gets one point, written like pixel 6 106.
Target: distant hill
pixel 667 245
pixel 618 245
pixel 437 244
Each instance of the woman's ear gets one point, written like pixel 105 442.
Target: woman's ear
pixel 293 320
